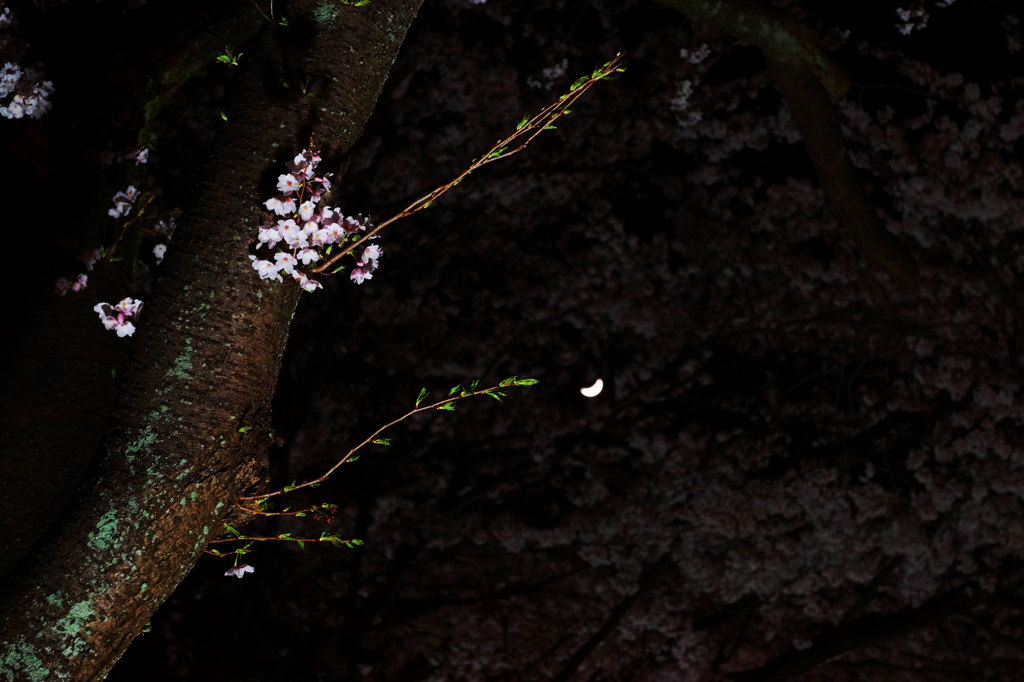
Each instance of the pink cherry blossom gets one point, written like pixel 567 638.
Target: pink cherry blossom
pixel 240 570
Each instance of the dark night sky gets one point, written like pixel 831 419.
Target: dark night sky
pixel 787 447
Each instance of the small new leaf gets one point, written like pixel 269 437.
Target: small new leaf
pixel 497 395
pixel 421 396
pixel 454 389
pixel 450 405
pixel 522 124
pixel 525 382
pixel 382 441
pixel 508 382
pixel 245 429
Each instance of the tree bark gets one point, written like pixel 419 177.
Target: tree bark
pixel 206 358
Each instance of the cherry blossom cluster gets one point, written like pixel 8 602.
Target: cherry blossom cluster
pixel 916 19
pixel 123 202
pixel 89 258
pixel 308 229
pixel 687 114
pixel 31 94
pixel 163 231
pixel 118 317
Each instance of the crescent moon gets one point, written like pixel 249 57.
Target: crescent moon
pixel 591 391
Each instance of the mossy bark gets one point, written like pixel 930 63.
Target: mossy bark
pixel 205 361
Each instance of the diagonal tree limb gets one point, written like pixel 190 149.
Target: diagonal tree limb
pixel 874 629
pixel 648 577
pixel 809 81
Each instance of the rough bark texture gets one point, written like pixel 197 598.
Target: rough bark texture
pixel 57 387
pixel 808 80
pixel 205 363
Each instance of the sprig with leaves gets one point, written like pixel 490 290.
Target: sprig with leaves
pixel 234 535
pixel 455 394
pixel 228 58
pixel 527 129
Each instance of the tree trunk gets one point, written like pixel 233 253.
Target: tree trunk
pixel 205 362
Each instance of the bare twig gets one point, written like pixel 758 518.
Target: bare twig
pixel 445 404
pixel 528 128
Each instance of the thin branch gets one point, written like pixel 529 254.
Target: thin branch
pixel 445 404
pixel 528 128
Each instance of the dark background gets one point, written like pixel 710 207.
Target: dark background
pixel 791 457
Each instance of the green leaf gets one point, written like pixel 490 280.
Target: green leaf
pixel 450 405
pixel 285 536
pixel 522 124
pixel 223 116
pixel 549 128
pixel 232 530
pixel 495 394
pixel 454 389
pixel 508 382
pixel 338 269
pixel 245 429
pixel 382 441
pixel 421 396
pixel 525 382
pixel 300 513
pixel 352 459
pixel 473 385
pixel 302 545
pixel 291 487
